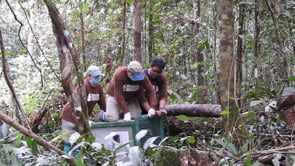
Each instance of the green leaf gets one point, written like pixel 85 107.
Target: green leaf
pixel 203 45
pixel 19 139
pixel 130 2
pixel 79 160
pixel 85 8
pixel 191 140
pixel 224 112
pixel 291 79
pixel 90 139
pixel 33 145
pixel 248 161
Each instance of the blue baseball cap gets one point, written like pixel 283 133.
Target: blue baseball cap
pixel 95 73
pixel 136 69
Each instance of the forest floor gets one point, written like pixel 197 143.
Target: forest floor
pixel 270 141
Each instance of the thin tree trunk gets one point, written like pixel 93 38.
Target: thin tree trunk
pixel 226 82
pixel 283 59
pixel 257 63
pixel 150 31
pixel 122 37
pixel 239 73
pixel 82 36
pixel 66 52
pixel 137 30
pixel 198 56
pixel 20 112
pixel 232 124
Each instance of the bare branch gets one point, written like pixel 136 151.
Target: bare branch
pixel 9 83
pixel 30 134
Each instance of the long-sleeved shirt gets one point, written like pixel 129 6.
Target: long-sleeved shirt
pixel 160 86
pixel 94 96
pixel 123 89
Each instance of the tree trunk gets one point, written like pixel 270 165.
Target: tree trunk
pixel 137 31
pixel 198 56
pixel 82 39
pixel 150 31
pixel 66 52
pixel 239 73
pixel 257 61
pixel 232 125
pixel 122 38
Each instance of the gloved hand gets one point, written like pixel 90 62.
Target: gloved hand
pixel 127 116
pixel 151 112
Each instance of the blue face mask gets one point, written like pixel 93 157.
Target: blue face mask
pixel 94 81
pixel 131 78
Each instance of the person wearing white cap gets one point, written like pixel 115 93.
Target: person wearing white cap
pixel 126 91
pixel 95 96
pixel 94 91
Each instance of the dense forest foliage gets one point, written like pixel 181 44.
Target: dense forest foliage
pixel 188 34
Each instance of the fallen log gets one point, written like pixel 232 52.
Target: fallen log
pixel 197 110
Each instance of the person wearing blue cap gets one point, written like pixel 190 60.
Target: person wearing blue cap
pixel 126 91
pixel 94 91
pixel 94 96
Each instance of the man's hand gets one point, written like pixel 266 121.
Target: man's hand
pixel 163 112
pixel 151 112
pixel 127 116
